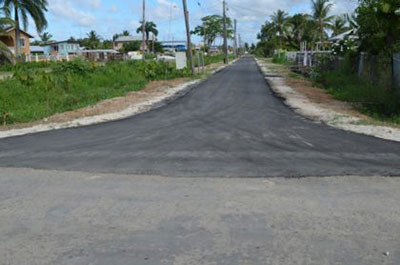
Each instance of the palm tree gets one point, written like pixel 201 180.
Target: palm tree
pixel 22 9
pixel 93 40
pixel 125 33
pixel 280 25
pixel 149 26
pixel 320 10
pixel 5 52
pixel 339 25
pixel 45 38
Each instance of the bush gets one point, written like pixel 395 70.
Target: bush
pixel 280 59
pixel 374 100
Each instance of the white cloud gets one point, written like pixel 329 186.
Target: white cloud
pixel 65 9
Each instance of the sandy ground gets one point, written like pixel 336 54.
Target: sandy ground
pixel 111 109
pixel 317 104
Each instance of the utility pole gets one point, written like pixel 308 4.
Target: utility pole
pixel 144 29
pixel 240 45
pixel 235 36
pixel 189 41
pixel 225 33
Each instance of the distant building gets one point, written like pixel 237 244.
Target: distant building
pixel 174 46
pixel 9 39
pixel 37 50
pixel 118 44
pixel 62 48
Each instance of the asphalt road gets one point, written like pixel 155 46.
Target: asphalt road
pixel 69 218
pixel 231 125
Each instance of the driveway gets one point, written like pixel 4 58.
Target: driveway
pixel 229 126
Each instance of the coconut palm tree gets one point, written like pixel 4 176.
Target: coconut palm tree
pixel 280 25
pixel 93 39
pixel 339 25
pixel 22 10
pixel 320 13
pixel 45 38
pixel 149 27
pixel 5 52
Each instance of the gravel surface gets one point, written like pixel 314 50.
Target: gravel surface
pixel 53 217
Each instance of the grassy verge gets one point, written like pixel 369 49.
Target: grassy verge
pixel 33 94
pixel 376 101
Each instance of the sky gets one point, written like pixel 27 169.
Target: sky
pixel 76 18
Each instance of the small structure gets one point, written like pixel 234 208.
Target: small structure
pixel 37 50
pixel 62 48
pixel 9 39
pixel 100 55
pixel 118 44
pixel 174 46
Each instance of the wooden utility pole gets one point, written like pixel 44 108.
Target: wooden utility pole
pixel 189 41
pixel 226 60
pixel 144 29
pixel 235 36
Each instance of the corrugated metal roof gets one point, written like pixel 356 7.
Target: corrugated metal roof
pixel 37 49
pixel 128 38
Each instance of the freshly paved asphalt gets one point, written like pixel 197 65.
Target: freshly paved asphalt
pixel 231 125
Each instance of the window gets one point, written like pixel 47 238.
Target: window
pixel 23 43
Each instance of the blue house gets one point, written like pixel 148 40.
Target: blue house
pixel 62 48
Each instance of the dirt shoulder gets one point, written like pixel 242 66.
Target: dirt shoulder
pixel 301 95
pixel 112 109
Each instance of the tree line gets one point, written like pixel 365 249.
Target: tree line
pixel 376 23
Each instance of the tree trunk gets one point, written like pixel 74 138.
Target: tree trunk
pixel 17 36
pixel 322 35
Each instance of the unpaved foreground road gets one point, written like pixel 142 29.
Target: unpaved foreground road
pixel 229 126
pixel 67 218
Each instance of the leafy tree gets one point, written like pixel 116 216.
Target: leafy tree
pixel 131 46
pixel 22 10
pixel 280 25
pixel 45 38
pixel 93 40
pixel 303 29
pixel 379 26
pixel 5 53
pixel 339 25
pixel 212 28
pixel 149 27
pixel 320 13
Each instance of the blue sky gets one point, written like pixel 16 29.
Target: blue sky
pixel 77 17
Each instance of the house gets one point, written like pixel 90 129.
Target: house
pixel 9 39
pixel 351 34
pixel 118 44
pixel 62 48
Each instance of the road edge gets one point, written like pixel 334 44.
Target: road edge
pixel 300 104
pixel 173 94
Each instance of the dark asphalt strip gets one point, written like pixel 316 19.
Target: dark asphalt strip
pixel 228 126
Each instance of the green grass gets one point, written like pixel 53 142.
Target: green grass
pixel 33 94
pixel 376 101
pixel 211 59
